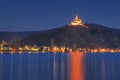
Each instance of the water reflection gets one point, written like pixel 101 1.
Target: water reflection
pixel 75 66
pixel 55 68
pixel 102 66
pixel 1 67
pixel 29 67
pixel 102 69
pixel 11 67
pixel 67 66
pixel 62 68
pixel 20 67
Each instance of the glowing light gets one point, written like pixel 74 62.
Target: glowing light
pixel 20 49
pixel 34 49
pixel 76 66
pixel 76 22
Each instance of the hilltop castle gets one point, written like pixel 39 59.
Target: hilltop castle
pixel 76 22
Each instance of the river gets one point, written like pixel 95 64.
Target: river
pixel 60 66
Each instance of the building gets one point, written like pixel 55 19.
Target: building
pixel 76 22
pixel 6 47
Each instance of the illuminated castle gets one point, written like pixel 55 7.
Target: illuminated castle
pixel 76 22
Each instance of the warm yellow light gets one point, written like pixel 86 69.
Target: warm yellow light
pixel 76 22
pixel 35 49
pixel 20 49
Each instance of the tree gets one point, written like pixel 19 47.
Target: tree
pixel 15 42
pixel 52 44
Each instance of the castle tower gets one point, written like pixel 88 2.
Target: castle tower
pixel 76 22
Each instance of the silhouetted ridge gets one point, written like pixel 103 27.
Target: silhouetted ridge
pixel 95 36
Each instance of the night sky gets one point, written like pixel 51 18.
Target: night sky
pixel 32 15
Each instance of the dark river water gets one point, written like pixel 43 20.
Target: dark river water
pixel 60 66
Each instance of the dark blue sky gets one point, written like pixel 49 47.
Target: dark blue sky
pixel 31 15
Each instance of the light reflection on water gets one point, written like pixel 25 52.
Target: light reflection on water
pixel 75 64
pixel 59 66
pixel 1 74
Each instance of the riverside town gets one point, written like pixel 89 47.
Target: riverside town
pixel 5 46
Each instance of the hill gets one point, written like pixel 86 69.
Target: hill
pixel 4 35
pixel 95 36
